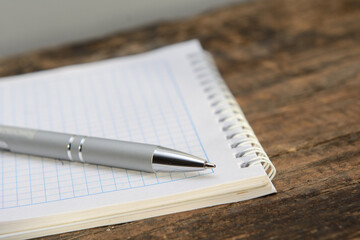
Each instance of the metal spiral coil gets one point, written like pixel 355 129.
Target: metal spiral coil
pixel 247 148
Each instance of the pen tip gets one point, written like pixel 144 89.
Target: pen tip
pixel 209 165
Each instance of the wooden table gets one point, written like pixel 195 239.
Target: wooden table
pixel 294 67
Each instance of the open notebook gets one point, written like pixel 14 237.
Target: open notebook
pixel 173 97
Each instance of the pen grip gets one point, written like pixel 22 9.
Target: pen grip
pixel 114 153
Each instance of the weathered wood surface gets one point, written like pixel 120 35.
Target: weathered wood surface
pixel 294 67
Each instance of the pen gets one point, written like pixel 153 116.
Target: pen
pixel 99 151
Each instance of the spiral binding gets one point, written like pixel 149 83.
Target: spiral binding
pixel 247 148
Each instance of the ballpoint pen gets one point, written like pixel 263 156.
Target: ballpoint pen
pixel 100 151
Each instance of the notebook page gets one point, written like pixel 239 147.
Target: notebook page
pixel 150 98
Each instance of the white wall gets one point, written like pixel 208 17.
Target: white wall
pixel 31 24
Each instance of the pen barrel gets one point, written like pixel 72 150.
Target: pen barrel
pixel 77 148
pixel 34 142
pixel 116 153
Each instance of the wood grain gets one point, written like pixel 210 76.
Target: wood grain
pixel 294 67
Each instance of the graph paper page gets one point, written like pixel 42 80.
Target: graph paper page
pixel 150 98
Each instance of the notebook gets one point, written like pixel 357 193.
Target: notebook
pixel 172 96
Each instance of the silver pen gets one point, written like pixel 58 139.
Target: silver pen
pixel 100 151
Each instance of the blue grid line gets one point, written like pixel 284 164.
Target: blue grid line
pixel 14 119
pixel 86 195
pixel 162 116
pixel 130 95
pixel 92 78
pixel 64 129
pixel 171 75
pixel 17 191
pixel 44 181
pixel 35 94
pixel 159 105
pixel 134 108
pixel 49 104
pixel 81 78
pixel 140 87
pixel 115 83
pixel 29 165
pixel 176 114
pixel 24 93
pixel 77 130
pixel 112 121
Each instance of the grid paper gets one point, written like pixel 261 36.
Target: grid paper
pixel 136 102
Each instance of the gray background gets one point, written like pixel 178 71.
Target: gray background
pixel 27 25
